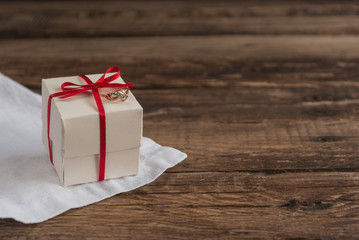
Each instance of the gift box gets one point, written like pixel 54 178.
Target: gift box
pixel 87 143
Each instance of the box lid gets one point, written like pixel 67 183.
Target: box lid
pixel 80 119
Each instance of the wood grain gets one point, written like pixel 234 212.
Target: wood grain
pixel 152 18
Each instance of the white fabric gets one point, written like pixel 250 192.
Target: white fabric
pixel 30 191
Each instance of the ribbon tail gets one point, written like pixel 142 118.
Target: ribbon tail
pixel 102 118
pixel 48 128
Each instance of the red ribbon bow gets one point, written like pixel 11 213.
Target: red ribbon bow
pixel 70 89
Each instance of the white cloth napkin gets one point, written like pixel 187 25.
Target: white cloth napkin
pixel 30 191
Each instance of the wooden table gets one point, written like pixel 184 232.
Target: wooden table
pixel 263 96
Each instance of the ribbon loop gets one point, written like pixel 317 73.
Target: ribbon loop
pixel 70 89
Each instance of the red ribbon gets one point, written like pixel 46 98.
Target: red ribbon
pixel 70 89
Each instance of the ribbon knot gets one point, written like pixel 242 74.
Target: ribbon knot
pixel 70 89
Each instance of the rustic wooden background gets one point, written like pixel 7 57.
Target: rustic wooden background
pixel 263 96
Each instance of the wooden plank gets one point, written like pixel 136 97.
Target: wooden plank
pixel 215 205
pixel 149 18
pixel 188 62
pixel 256 129
pixel 174 72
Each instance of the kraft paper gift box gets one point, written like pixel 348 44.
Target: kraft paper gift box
pixel 75 133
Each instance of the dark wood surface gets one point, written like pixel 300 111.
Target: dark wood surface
pixel 263 96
